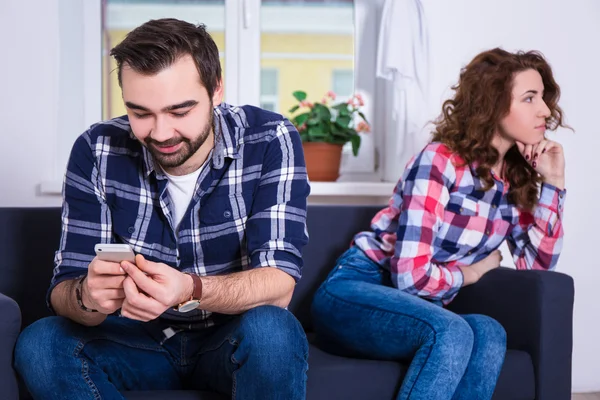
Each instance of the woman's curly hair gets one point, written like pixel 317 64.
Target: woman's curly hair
pixel 482 99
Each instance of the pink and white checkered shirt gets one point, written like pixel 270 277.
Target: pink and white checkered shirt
pixel 439 218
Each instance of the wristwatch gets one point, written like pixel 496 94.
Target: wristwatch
pixel 194 301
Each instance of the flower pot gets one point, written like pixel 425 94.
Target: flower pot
pixel 322 161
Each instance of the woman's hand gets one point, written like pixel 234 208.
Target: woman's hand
pixel 472 273
pixel 548 159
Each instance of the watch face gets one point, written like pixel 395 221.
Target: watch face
pixel 188 306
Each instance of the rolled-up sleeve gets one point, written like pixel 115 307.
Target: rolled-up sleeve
pixel 276 228
pixel 536 241
pixel 86 219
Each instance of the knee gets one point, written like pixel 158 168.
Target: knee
pixel 488 334
pixel 455 338
pixel 273 332
pixel 40 346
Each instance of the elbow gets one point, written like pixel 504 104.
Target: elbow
pixel 284 300
pixel 285 291
pixel 285 297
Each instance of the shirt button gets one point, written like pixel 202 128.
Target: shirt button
pixel 461 209
pixel 131 229
pixel 487 232
pixel 227 214
pixel 470 252
pixel 494 206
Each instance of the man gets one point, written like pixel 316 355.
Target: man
pixel 212 198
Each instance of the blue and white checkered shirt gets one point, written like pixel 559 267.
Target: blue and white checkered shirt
pixel 248 209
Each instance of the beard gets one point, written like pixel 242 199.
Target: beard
pixel 187 150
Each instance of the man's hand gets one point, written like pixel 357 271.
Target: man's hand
pixel 102 289
pixel 152 288
pixel 474 272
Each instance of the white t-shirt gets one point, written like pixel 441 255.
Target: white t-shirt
pixel 181 190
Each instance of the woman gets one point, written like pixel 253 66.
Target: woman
pixel 488 175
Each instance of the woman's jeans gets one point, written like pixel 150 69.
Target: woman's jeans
pixel 261 354
pixel 356 313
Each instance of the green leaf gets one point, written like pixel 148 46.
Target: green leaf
pixel 343 121
pixel 293 109
pixel 338 132
pixel 312 121
pixel 304 136
pixel 340 107
pixel 300 119
pixel 338 141
pixel 322 112
pixel 344 112
pixel 299 95
pixel 355 139
pixel 363 117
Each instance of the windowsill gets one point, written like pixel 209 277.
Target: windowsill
pixel 51 188
pixel 371 189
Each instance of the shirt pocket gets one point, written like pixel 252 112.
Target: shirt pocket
pixel 463 223
pixel 223 229
pixel 223 209
pixel 125 225
pixel 127 228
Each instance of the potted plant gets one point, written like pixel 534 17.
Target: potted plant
pixel 324 128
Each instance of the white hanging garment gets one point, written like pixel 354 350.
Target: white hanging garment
pixel 403 59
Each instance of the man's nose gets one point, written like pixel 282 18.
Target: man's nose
pixel 162 130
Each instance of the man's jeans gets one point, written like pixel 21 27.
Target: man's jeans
pixel 261 354
pixel 356 313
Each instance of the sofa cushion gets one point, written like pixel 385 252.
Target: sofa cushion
pixel 516 381
pixel 333 377
pixel 173 395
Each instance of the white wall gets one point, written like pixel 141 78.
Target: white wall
pixel 50 94
pixel 29 101
pixel 568 34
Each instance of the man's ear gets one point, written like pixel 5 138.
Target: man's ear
pixel 218 94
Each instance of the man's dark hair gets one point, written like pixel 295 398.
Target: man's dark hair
pixel 157 44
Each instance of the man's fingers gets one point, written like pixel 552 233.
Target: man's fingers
pixel 132 313
pixel 149 267
pixel 113 294
pixel 138 300
pixel 100 267
pixel 143 281
pixel 107 282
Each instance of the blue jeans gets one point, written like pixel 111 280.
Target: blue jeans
pixel 357 313
pixel 261 354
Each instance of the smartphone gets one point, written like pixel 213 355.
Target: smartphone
pixel 114 252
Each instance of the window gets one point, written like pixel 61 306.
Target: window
pixel 342 83
pixel 121 16
pixel 312 44
pixel 268 49
pixel 305 40
pixel 269 89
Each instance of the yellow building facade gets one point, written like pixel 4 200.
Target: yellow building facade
pixel 303 61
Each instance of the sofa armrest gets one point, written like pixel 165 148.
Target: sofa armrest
pixel 10 325
pixel 536 310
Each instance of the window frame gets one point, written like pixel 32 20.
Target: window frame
pixel 242 37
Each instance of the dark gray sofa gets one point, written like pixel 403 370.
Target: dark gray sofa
pixel 535 308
